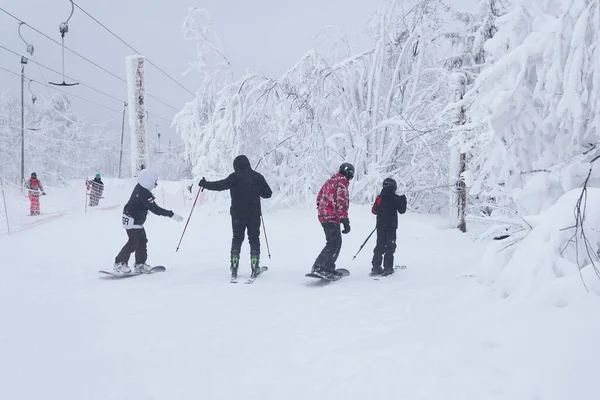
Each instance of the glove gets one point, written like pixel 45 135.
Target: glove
pixel 202 182
pixel 346 223
pixel 43 193
pixel 177 217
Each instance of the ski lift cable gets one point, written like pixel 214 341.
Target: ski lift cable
pixel 62 91
pixel 81 83
pixel 84 58
pixel 78 97
pixel 131 47
pixel 67 48
pixel 57 72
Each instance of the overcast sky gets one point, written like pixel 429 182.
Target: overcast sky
pixel 268 36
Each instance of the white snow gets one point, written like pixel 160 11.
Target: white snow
pixel 542 266
pixel 429 332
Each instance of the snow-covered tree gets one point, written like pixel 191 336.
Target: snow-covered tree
pixel 535 109
pixel 59 145
pixel 380 109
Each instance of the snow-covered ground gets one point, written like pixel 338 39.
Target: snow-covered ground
pixel 430 331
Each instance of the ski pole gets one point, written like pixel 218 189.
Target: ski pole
pixel 5 211
pixel 188 220
pixel 266 239
pixel 363 245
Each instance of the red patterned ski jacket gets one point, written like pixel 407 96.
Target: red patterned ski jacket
pixel 333 200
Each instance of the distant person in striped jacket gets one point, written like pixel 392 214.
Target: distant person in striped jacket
pixel 96 188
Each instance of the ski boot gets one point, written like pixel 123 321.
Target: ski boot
pixel 122 268
pixel 376 270
pixel 235 263
pixel 142 268
pixel 387 271
pixel 254 262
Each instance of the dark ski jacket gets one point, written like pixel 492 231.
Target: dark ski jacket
pixel 140 202
pixel 246 187
pixel 387 206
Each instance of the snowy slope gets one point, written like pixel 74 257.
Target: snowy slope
pixel 427 332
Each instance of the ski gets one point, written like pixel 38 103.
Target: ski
pixel 396 267
pixel 340 273
pixel 108 274
pixel 260 271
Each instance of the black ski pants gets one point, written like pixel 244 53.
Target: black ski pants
pixel 385 248
pixel 329 255
pixel 136 244
pixel 239 226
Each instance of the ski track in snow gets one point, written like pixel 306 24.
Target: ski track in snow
pixel 187 333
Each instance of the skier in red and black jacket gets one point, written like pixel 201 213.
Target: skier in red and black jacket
pixel 387 207
pixel 333 201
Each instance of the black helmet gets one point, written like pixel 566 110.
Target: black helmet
pixel 34 175
pixel 347 170
pixel 390 184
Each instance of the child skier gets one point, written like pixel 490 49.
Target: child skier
pixel 246 187
pixel 35 189
pixel 134 216
pixel 96 187
pixel 387 206
pixel 332 205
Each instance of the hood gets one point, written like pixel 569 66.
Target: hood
pixel 147 179
pixel 389 186
pixel 241 163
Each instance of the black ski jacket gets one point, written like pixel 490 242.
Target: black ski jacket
pixel 140 202
pixel 387 206
pixel 246 187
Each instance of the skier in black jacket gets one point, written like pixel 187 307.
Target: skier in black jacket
pixel 246 187
pixel 134 216
pixel 387 206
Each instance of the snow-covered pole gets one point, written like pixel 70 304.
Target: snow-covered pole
pixel 137 114
pixel 458 159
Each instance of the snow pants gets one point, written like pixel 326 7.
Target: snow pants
pixel 136 243
pixel 239 226
pixel 34 204
pixel 385 248
pixel 329 255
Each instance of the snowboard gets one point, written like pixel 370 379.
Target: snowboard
pixel 250 280
pixel 344 272
pixel 396 268
pixel 109 274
